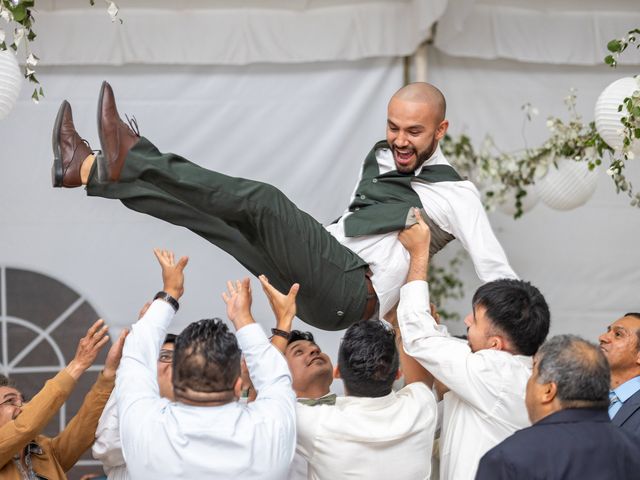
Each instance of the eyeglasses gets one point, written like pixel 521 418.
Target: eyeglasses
pixel 166 356
pixel 13 402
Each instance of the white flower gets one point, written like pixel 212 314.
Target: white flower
pixel 18 35
pixel 112 11
pixel 630 155
pixel 6 15
pixel 610 171
pixel 32 60
pixel 29 71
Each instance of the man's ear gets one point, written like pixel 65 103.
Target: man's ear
pixel 237 388
pixel 442 129
pixel 336 372
pixel 496 342
pixel 549 392
pixel 398 374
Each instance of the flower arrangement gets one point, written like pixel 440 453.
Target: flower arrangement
pixel 18 16
pixel 630 120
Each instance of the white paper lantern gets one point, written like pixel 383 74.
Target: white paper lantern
pixel 607 116
pixel 10 82
pixel 568 186
pixel 529 201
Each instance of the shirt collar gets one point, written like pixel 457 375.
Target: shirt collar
pixel 372 403
pixel 627 389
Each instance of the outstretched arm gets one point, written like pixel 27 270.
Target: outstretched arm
pixel 416 240
pixel 137 381
pixel 284 309
pixel 267 367
pixel 35 415
pixel 80 432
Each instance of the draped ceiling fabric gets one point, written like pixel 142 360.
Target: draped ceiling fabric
pixel 293 93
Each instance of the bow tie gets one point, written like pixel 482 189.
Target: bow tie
pixel 312 402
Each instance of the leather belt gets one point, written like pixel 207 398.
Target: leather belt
pixel 372 299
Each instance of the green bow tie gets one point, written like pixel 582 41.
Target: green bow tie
pixel 326 400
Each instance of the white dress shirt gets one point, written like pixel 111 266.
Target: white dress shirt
pixel 453 206
pixel 165 440
pixel 485 403
pixel 107 448
pixel 370 438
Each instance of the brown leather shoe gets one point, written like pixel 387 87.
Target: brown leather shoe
pixel 116 137
pixel 69 150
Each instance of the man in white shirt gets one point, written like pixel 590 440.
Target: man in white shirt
pixel 206 432
pixel 350 269
pixel 372 432
pixel 487 377
pixel 107 448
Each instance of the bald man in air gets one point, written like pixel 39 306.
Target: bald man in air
pixel 348 271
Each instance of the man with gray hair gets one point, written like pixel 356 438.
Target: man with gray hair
pixel 571 436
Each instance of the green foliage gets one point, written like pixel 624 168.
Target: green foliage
pixel 19 15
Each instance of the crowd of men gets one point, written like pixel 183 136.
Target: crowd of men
pixel 503 403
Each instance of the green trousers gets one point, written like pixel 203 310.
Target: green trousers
pixel 252 221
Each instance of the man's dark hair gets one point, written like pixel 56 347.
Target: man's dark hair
pixel 296 335
pixel 6 381
pixel 637 316
pixel 578 368
pixel 206 358
pixel 517 309
pixel 170 338
pixel 368 359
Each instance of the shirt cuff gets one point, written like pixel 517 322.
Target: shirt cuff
pixel 64 381
pixel 251 335
pixel 160 312
pixel 415 295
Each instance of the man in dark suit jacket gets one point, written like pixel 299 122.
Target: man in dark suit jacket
pixel 571 436
pixel 621 345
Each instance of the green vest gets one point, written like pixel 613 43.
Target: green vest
pixel 383 203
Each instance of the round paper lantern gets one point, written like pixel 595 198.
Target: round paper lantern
pixel 10 82
pixel 607 116
pixel 529 201
pixel 568 186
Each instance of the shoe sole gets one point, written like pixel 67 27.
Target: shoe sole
pixel 101 168
pixel 57 170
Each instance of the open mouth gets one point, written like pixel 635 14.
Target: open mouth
pixel 403 157
pixel 316 359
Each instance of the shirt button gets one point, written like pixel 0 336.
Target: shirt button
pixel 340 313
pixel 362 197
pixel 375 180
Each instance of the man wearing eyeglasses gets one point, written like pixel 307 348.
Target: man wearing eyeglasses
pixel 24 452
pixel 107 447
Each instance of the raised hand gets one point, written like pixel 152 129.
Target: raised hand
pixel 172 272
pixel 114 355
pixel 417 238
pixel 283 306
pixel 238 299
pixel 88 348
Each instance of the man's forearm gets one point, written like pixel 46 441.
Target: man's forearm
pixel 418 267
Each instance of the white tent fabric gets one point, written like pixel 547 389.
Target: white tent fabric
pixel 232 32
pixel 546 31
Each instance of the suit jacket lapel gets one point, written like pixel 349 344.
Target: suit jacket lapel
pixel 628 408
